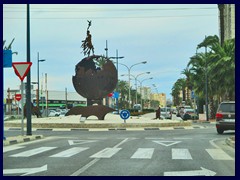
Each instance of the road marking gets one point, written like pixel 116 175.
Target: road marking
pixel 181 154
pixel 182 138
pixel 27 171
pixel 218 154
pixel 167 143
pixel 84 168
pixel 125 140
pixel 202 172
pixel 143 153
pixel 106 153
pixel 74 142
pixel 70 152
pixel 154 138
pixel 33 152
pixel 11 148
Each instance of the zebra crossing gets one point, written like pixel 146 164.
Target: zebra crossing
pixel 140 153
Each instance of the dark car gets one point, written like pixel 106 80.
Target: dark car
pixel 225 117
pixel 189 114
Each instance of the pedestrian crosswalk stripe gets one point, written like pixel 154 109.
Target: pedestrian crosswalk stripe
pixel 143 153
pixel 181 154
pixel 70 152
pixel 11 148
pixel 218 154
pixel 33 152
pixel 106 153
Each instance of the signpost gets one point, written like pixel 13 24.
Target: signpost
pixel 21 69
pixel 124 114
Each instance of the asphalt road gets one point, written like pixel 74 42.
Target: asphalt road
pixel 178 152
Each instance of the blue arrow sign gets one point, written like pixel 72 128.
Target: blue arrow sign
pixel 124 114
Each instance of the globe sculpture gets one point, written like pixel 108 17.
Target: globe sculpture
pixel 95 77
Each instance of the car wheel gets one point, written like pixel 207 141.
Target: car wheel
pixel 220 131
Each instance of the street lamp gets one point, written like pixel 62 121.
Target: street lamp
pixel 38 60
pixel 135 78
pixel 129 69
pixel 136 82
pixel 141 88
pixel 117 57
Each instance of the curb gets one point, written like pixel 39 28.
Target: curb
pixel 229 141
pixel 102 125
pixel 21 139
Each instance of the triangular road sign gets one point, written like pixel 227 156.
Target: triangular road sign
pixel 167 143
pixel 74 142
pixel 21 69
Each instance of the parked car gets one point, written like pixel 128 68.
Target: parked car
pixel 189 114
pixel 174 110
pixel 225 117
pixel 53 113
pixel 166 113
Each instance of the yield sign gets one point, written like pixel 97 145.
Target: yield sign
pixel 21 69
pixel 167 143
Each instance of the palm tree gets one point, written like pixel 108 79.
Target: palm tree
pixel 222 65
pixel 219 63
pixel 123 90
pixel 179 87
pixel 187 72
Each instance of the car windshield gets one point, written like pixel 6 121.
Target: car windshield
pixel 227 107
pixel 189 111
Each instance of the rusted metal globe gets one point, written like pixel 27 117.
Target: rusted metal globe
pixel 95 78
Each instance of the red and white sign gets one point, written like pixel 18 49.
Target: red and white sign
pixel 18 97
pixel 21 69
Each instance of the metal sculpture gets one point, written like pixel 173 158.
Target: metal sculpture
pixel 35 111
pixel 97 110
pixel 95 77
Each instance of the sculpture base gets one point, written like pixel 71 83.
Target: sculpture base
pixel 97 110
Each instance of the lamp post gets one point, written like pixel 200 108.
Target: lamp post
pixel 135 78
pixel 136 82
pixel 117 57
pixel 141 88
pixel 39 60
pixel 129 70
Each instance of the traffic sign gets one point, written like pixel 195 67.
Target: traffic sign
pixel 18 97
pixel 21 69
pixel 124 114
pixel 7 58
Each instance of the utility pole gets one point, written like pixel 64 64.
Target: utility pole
pixel 206 82
pixel 28 89
pixel 106 49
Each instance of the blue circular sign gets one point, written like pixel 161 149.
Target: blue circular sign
pixel 124 114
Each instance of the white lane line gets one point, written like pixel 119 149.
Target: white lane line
pixel 33 152
pixel 106 153
pixel 12 148
pixel 143 153
pixel 125 140
pixel 70 152
pixel 84 168
pixel 154 138
pixel 181 154
pixel 218 154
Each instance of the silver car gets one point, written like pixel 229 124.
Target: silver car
pixel 166 113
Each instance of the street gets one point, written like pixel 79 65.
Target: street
pixel 178 152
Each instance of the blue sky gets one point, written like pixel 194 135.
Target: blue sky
pixel 165 36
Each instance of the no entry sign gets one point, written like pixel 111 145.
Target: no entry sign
pixel 18 97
